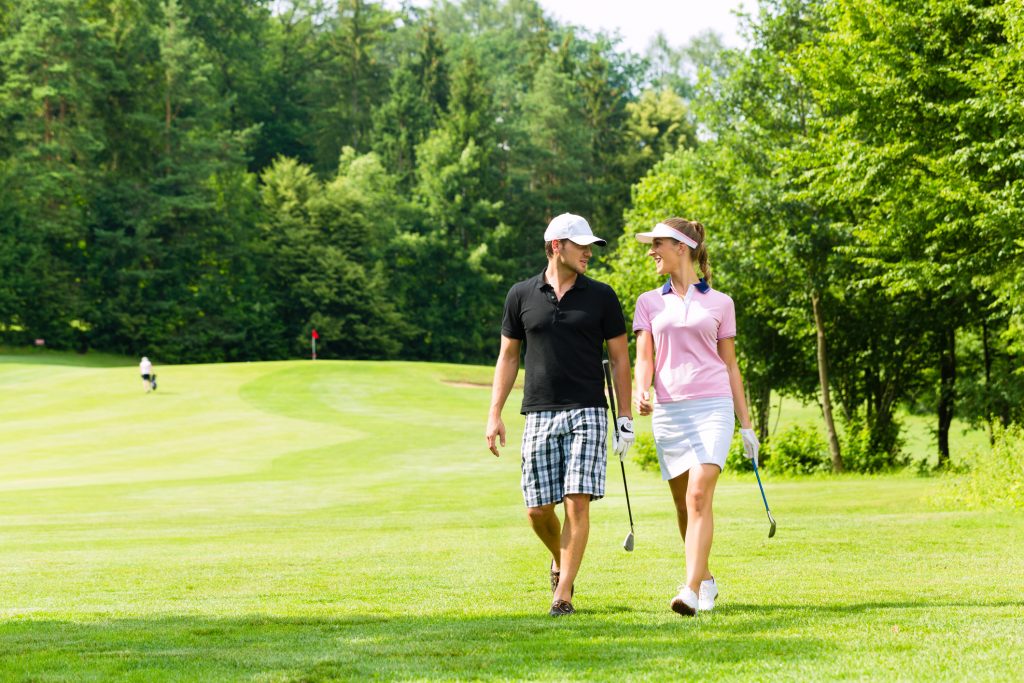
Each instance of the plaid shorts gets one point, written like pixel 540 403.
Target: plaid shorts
pixel 564 451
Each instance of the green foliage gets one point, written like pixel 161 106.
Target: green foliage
pixel 870 450
pixel 645 453
pixel 798 450
pixel 866 155
pixel 996 476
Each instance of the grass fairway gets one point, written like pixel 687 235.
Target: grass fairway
pixel 305 521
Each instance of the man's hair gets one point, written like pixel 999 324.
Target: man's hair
pixel 549 250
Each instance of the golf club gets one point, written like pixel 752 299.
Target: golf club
pixel 771 531
pixel 628 543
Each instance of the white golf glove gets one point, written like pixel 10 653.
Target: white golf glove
pixel 750 444
pixel 624 436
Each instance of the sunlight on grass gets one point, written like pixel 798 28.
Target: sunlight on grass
pixel 303 521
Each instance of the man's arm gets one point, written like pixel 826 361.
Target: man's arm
pixel 618 356
pixel 505 371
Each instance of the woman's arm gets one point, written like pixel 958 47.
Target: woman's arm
pixel 644 371
pixel 727 352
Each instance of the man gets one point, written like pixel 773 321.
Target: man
pixel 146 370
pixel 564 318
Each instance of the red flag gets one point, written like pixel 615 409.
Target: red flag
pixel 315 335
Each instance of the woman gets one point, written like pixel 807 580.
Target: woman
pixel 685 343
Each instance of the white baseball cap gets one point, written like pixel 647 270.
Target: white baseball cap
pixel 663 230
pixel 569 226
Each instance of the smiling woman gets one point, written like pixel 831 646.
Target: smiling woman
pixel 697 386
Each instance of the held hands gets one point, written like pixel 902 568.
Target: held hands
pixel 750 444
pixel 624 436
pixel 643 403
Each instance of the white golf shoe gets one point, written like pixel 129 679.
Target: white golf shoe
pixel 707 594
pixel 685 602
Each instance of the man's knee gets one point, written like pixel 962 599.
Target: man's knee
pixel 577 505
pixel 541 513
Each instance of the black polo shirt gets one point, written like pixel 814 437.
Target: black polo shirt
pixel 564 340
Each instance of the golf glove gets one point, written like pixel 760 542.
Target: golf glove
pixel 750 444
pixel 624 436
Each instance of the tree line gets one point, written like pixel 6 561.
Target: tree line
pixel 207 180
pixel 210 180
pixel 862 182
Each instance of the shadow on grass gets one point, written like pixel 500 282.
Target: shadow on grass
pixel 599 644
pixel 616 642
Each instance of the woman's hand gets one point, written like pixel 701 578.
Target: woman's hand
pixel 643 403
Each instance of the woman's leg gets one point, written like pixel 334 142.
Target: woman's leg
pixel 700 528
pixel 678 488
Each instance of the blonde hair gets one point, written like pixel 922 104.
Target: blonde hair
pixel 694 231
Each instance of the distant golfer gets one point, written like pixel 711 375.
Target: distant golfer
pixel 686 342
pixel 564 318
pixel 148 377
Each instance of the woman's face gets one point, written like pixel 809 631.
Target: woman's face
pixel 665 252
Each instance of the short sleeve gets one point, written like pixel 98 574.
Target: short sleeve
pixel 642 316
pixel 512 319
pixel 727 328
pixel 614 323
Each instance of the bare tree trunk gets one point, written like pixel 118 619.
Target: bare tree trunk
pixel 988 381
pixel 759 399
pixel 826 402
pixel 947 392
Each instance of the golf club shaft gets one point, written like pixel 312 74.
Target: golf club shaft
pixel 615 421
pixel 761 487
pixel 626 489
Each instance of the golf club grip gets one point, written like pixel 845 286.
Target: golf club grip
pixel 611 390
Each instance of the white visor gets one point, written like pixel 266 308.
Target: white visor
pixel 662 230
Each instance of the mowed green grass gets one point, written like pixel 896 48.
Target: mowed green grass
pixel 302 521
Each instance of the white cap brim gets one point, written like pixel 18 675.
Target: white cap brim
pixel 662 230
pixel 584 240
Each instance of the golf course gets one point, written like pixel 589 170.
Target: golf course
pixel 343 520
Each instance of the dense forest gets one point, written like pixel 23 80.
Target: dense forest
pixel 210 180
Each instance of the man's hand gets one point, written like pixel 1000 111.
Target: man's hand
pixel 624 436
pixel 750 444
pixel 495 432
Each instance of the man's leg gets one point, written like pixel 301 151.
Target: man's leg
pixel 575 533
pixel 545 524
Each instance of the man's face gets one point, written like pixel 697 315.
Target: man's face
pixel 573 256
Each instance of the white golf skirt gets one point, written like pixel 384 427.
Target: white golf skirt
pixel 690 432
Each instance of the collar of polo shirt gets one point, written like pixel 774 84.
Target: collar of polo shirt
pixel 703 287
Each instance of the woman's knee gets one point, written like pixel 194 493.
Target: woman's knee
pixel 698 500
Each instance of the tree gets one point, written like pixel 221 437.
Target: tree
pixel 53 60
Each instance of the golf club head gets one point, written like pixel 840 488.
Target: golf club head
pixel 771 531
pixel 628 543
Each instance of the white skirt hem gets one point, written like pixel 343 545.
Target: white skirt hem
pixel 692 432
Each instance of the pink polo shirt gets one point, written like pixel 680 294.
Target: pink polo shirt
pixel 686 331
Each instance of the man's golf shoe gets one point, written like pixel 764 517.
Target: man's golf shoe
pixel 561 608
